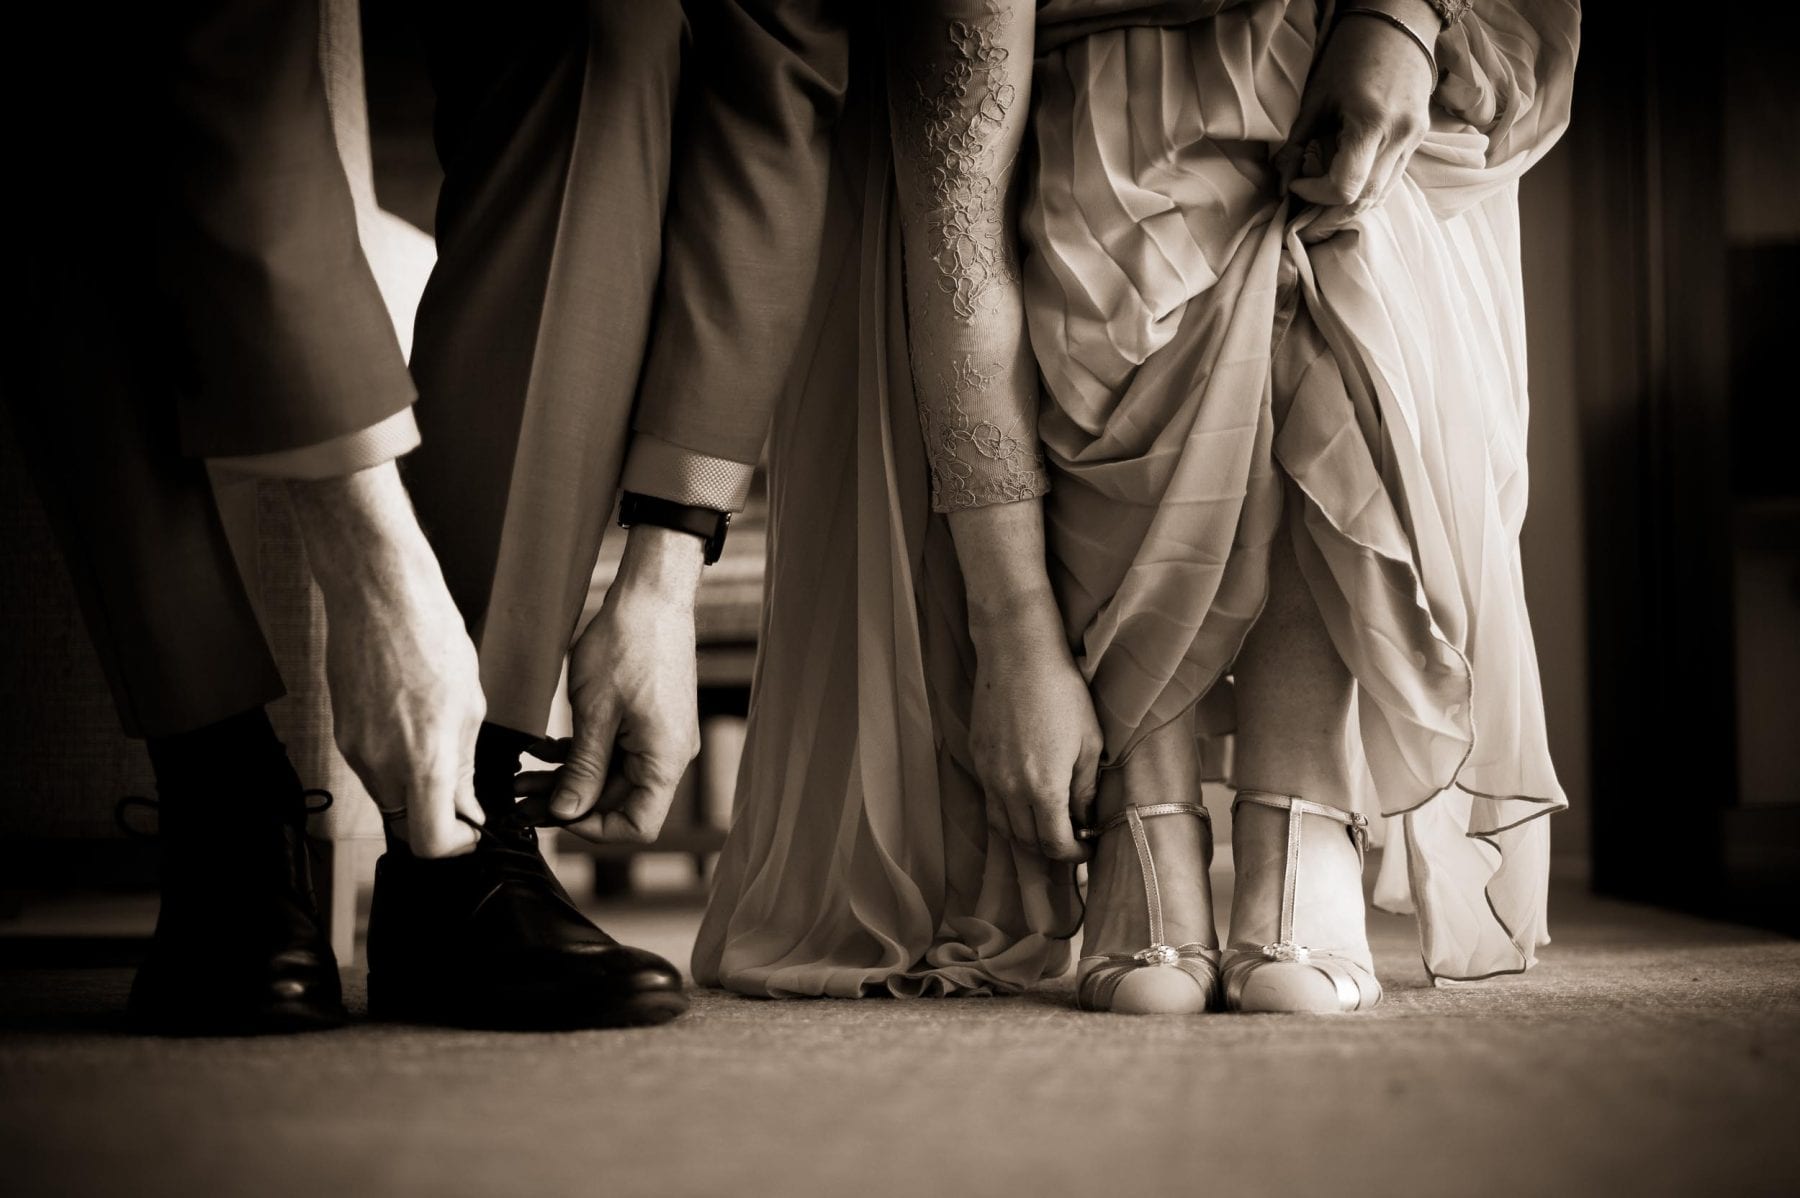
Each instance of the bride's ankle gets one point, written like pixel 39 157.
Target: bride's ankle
pixel 1164 770
pixel 1328 905
pixel 1180 847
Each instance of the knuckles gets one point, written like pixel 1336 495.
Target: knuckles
pixel 1408 131
pixel 627 832
pixel 580 768
pixel 662 776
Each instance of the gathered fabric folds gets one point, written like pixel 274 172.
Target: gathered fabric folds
pixel 1211 372
pixel 860 860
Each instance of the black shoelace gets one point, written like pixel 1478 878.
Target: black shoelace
pixel 123 808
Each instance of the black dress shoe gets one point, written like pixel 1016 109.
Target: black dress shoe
pixel 239 948
pixel 492 940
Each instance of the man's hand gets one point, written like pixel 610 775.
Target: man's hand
pixel 406 696
pixel 1366 108
pixel 1032 730
pixel 633 689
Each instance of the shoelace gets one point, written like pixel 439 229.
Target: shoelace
pixel 511 852
pixel 123 808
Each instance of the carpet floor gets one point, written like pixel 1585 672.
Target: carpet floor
pixel 1648 1054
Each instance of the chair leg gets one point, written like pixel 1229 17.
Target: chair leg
pixel 612 877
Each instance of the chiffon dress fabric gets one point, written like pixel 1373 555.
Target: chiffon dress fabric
pixel 1209 372
pixel 859 859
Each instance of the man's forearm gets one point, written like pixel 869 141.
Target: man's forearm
pixel 661 565
pixel 406 699
pixel 361 532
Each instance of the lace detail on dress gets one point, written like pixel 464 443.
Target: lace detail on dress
pixel 957 109
pixel 1017 463
pixel 1451 11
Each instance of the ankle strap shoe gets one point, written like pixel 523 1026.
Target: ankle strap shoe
pixel 1352 984
pixel 1113 981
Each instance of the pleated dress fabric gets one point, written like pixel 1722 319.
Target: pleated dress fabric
pixel 1209 373
pixel 859 860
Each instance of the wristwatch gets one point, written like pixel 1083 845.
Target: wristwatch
pixel 709 524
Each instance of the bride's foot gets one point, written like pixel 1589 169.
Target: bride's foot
pixel 1299 941
pixel 1150 947
pixel 1149 944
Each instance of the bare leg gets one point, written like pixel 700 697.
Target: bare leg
pixel 1293 695
pixel 1165 768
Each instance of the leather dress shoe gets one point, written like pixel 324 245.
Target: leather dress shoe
pixel 239 948
pixel 490 939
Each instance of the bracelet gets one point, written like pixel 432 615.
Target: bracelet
pixel 1403 27
pixel 1451 11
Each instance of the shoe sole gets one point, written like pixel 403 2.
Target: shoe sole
pixel 523 1012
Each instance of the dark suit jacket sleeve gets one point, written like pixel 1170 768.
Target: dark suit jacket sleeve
pixel 288 342
pixel 764 86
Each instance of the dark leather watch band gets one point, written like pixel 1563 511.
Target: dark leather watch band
pixel 709 524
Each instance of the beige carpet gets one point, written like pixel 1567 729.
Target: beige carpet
pixel 1649 1054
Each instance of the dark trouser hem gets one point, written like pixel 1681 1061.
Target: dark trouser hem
pixel 239 759
pixel 136 522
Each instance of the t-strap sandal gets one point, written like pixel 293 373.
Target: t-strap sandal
pixel 1164 979
pixel 1288 976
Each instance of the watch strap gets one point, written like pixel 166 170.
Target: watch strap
pixel 709 524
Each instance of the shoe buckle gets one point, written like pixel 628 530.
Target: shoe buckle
pixel 1158 954
pixel 1286 950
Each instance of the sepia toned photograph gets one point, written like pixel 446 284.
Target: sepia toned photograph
pixel 901 597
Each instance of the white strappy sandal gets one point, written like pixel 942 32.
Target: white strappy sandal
pixel 1164 979
pixel 1289 976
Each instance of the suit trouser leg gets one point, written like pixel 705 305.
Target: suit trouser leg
pixel 554 127
pixel 135 519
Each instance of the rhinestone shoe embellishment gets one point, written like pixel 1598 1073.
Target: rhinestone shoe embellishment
pixel 1286 950
pixel 1158 954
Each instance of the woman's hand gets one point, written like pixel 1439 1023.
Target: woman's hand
pixel 1366 108
pixel 1032 730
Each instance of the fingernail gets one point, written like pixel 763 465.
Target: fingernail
pixel 564 805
